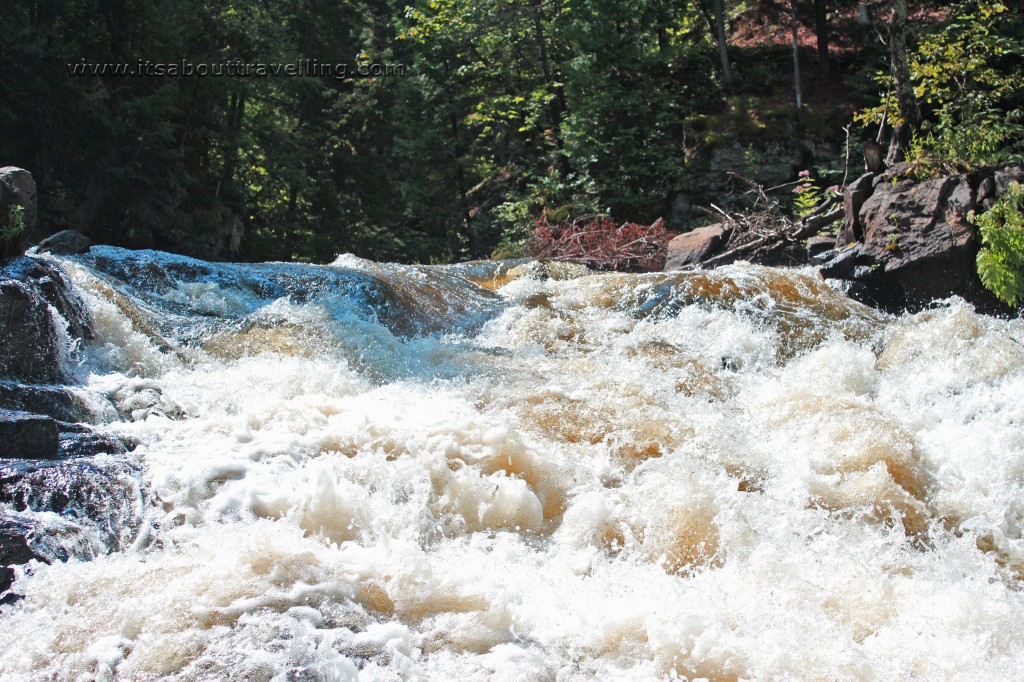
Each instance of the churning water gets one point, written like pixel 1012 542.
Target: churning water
pixel 487 472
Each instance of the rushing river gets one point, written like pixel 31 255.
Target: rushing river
pixel 520 471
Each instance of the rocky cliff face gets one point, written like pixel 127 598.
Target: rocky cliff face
pixel 905 242
pixel 712 169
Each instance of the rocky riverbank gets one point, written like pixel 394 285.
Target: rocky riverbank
pixel 904 241
pixel 67 488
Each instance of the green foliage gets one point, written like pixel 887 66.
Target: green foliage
pixel 14 225
pixel 807 195
pixel 516 223
pixel 1001 259
pixel 969 73
pixel 966 76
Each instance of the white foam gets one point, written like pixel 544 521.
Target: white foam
pixel 577 492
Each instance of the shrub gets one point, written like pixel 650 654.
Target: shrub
pixel 14 225
pixel 1001 259
pixel 597 241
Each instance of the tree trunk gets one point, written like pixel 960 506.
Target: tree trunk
pixel 821 29
pixel 236 113
pixel 723 49
pixel 558 106
pixel 863 16
pixel 909 113
pixel 796 60
pixel 460 171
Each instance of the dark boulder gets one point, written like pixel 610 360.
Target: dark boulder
pixel 820 246
pixel 44 422
pixel 78 440
pixel 105 490
pixel 857 191
pixel 35 343
pixel 63 403
pixel 65 243
pixel 18 214
pixel 691 248
pixel 29 347
pixel 14 551
pixel 28 436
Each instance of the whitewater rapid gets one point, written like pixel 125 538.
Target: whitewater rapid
pixel 517 471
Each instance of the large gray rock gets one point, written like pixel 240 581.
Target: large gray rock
pixel 17 191
pixel 28 436
pixel 907 242
pixel 691 248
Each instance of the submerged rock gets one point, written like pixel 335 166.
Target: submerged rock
pixel 95 505
pixel 65 243
pixel 14 551
pixel 549 269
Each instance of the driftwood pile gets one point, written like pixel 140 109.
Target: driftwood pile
pixel 765 229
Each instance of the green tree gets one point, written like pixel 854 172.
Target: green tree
pixel 968 75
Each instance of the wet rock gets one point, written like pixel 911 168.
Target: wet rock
pixel 95 503
pixel 18 215
pixel 28 336
pixel 821 246
pixel 34 342
pixel 63 403
pixel 549 269
pixel 26 435
pixel 65 243
pixel 14 551
pixel 103 489
pixel 76 441
pixel 691 248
